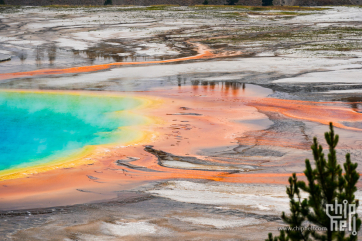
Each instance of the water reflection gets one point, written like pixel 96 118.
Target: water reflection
pixel 355 102
pixel 39 55
pixel 52 54
pixel 116 52
pixel 355 106
pixel 195 84
pixel 215 88
pixel 226 88
pixel 22 55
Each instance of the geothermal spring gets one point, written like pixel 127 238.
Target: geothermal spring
pixel 168 122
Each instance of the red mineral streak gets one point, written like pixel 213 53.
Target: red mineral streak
pixel 181 135
pixel 321 112
pixel 202 50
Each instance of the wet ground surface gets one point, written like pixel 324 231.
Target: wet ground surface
pixel 309 55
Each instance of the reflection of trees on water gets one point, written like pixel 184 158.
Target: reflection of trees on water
pixel 93 55
pixel 52 53
pixel 113 52
pixel 39 55
pixel 195 84
pixel 226 87
pixel 181 80
pixel 354 106
pixel 353 103
pixel 212 85
pixel 23 55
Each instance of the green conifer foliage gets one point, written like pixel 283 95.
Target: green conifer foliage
pixel 108 2
pixel 326 184
pixel 231 2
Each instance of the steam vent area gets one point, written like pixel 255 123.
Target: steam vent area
pixel 182 121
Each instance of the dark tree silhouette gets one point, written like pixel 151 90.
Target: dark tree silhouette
pixel 326 185
pixel 108 2
pixel 231 2
pixel 267 3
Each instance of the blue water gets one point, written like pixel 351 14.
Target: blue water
pixel 38 127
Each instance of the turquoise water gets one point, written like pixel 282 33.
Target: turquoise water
pixel 40 127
